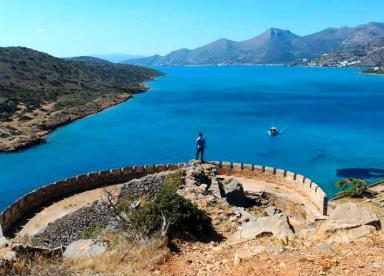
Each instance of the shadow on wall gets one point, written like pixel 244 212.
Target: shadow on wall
pixel 360 173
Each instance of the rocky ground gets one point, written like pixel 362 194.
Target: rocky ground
pixel 26 127
pixel 256 233
pixel 40 92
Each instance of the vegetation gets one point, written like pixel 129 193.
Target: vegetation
pixel 32 78
pixel 123 257
pixel 378 70
pixel 352 187
pixel 39 92
pixel 88 59
pixel 169 210
pixel 89 233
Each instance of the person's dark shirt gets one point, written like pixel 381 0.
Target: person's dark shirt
pixel 200 142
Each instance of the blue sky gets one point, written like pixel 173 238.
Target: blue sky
pixel 81 27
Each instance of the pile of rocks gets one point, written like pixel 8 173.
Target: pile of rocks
pixel 146 186
pixel 201 179
pixel 198 173
pixel 70 227
pixel 349 222
pixel 100 214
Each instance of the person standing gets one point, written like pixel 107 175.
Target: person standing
pixel 200 146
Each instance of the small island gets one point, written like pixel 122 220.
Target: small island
pixel 39 92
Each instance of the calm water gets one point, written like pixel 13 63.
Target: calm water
pixel 331 119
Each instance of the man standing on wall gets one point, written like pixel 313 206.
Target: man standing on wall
pixel 200 146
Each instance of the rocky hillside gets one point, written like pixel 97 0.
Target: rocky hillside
pixel 88 59
pixel 194 221
pixel 272 46
pixel 363 55
pixel 39 92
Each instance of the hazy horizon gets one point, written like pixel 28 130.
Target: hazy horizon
pixel 72 28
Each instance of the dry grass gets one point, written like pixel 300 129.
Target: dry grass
pixel 32 265
pixel 123 257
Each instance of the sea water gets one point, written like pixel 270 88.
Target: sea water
pixel 331 122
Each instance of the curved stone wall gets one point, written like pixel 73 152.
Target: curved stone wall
pixel 73 185
pixel 297 181
pixel 93 180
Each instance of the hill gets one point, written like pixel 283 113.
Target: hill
pixel 39 92
pixel 88 59
pixel 366 55
pixel 116 58
pixel 271 47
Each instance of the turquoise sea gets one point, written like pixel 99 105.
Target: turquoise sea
pixel 332 123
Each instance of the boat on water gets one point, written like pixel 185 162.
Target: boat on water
pixel 273 131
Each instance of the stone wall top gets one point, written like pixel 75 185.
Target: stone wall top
pixel 92 180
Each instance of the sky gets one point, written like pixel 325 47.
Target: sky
pixel 66 28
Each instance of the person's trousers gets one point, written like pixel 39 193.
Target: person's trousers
pixel 200 151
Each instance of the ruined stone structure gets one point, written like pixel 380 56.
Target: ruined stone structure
pixel 54 191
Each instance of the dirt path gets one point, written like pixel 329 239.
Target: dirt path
pixel 64 207
pixel 258 185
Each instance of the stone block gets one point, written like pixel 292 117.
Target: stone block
pixel 299 179
pixel 150 168
pixel 126 173
pixel 247 167
pixel 226 165
pixel 237 167
pixel 138 169
pixel 280 172
pixel 314 189
pixel 216 163
pixel 115 173
pixel 161 168
pixel 259 169
pixel 270 171
pixel 172 166
pixel 83 180
pixel 181 165
pixel 290 176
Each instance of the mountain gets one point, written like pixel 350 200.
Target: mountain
pixel 39 92
pixel 88 59
pixel 273 46
pixel 364 55
pixel 117 58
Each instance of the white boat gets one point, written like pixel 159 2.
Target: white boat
pixel 273 131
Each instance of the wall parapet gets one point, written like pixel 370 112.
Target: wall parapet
pixel 72 185
pixel 297 181
pixel 92 180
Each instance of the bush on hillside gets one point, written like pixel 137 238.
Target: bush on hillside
pixel 352 187
pixel 181 214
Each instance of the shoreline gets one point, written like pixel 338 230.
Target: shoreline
pixel 40 137
pixel 372 74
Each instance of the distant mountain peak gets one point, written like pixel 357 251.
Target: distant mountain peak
pixel 278 32
pixel 223 40
pixel 272 46
pixel 376 24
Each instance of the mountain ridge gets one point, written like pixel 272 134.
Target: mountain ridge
pixel 270 47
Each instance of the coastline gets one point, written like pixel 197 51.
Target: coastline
pixel 372 74
pixel 39 138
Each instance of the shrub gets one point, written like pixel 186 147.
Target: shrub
pixel 182 215
pixel 352 187
pixel 25 118
pixel 89 233
pixel 172 182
